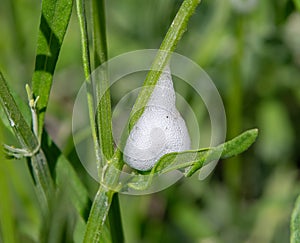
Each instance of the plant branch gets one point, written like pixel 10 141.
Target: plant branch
pixel 81 14
pixel 174 34
pixel 111 172
pixel 28 142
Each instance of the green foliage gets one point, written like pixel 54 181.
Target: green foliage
pixel 15 117
pixel 295 223
pixel 251 53
pixel 191 161
pixel 55 16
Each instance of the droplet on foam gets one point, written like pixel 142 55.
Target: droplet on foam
pixel 160 130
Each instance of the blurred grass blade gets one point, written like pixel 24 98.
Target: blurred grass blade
pixel 54 20
pixel 297 4
pixel 7 210
pixel 7 223
pixel 77 193
pixel 295 222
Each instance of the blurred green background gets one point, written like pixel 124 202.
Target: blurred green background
pixel 250 49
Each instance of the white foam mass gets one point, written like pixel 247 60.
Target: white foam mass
pixel 160 129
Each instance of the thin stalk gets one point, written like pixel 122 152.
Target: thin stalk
pixel 101 84
pixel 99 32
pixel 29 143
pixel 103 198
pixel 115 221
pixel 233 168
pixel 7 210
pixel 80 6
pixel 104 117
pixel 174 34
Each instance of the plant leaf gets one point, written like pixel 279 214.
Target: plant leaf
pixel 193 160
pixel 295 222
pixel 229 149
pixel 28 142
pixel 54 20
pixel 15 118
pixel 297 4
pixel 101 82
pixel 7 210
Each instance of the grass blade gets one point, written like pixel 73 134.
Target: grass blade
pixel 15 117
pixel 7 222
pixel 81 14
pixel 99 33
pixel 295 223
pixel 103 199
pixel 54 20
pixel 97 218
pixel 104 117
pixel 28 141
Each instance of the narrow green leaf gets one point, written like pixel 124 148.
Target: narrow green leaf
pixel 54 20
pixel 99 211
pixel 28 142
pixel 99 32
pixel 295 222
pixel 229 149
pixel 7 210
pixel 103 104
pixel 64 170
pixel 15 118
pixel 65 174
pixel 115 221
pixel 192 160
pixel 81 14
pixel 104 117
pixel 297 4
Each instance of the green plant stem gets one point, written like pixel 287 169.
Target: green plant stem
pixel 80 7
pixel 99 211
pixel 295 222
pixel 174 34
pixel 28 141
pixel 104 116
pixel 99 32
pixel 54 19
pixel 7 211
pixel 103 198
pixel 233 167
pixel 101 83
pixel 115 221
pixel 15 117
pixel 102 203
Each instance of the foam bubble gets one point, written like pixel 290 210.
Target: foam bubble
pixel 160 130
